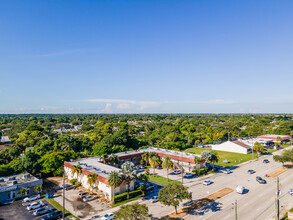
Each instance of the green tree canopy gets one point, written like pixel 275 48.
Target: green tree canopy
pixel 173 194
pixel 134 211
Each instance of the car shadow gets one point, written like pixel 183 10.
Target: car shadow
pixel 245 191
pixel 212 206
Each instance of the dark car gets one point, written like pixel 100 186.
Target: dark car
pixel 260 180
pixel 265 161
pixel 52 215
pixel 250 171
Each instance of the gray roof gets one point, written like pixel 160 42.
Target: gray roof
pixel 8 181
pixel 4 139
pixel 94 165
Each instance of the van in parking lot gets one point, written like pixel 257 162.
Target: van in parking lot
pixel 240 189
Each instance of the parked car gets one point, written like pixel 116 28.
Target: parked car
pixel 140 167
pixel 265 161
pixel 32 198
pixel 52 215
pixel 260 180
pixel 35 205
pixel 207 182
pixel 108 216
pixel 240 189
pixel 87 198
pixel 176 172
pixel 82 194
pixel 95 217
pixel 188 175
pixel 151 187
pixel 227 171
pixel 154 199
pixel 250 171
pixel 41 211
pixel 291 192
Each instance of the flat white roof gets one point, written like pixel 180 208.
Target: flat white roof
pixel 94 165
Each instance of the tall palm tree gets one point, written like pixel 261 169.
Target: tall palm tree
pixel 168 164
pixel 91 179
pixel 77 169
pixel 146 157
pixel 214 158
pixel 129 174
pixel 155 161
pixel 114 181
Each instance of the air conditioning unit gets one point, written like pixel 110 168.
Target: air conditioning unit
pixel 1 180
pixel 25 176
pixel 14 182
pixel 11 178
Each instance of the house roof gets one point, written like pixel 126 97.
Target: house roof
pixel 242 144
pixel 4 139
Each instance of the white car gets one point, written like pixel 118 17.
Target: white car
pixel 32 198
pixel 227 171
pixel 291 192
pixel 86 198
pixel 188 175
pixel 108 216
pixel 154 199
pixel 207 182
pixel 240 189
pixel 35 205
pixel 177 172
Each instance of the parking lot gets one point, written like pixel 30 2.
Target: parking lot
pixel 16 210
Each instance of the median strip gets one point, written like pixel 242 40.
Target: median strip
pixel 197 204
pixel 277 172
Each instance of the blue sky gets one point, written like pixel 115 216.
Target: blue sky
pixel 146 56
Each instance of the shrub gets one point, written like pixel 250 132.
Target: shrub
pixel 78 184
pixel 123 196
pixel 147 171
pixel 73 181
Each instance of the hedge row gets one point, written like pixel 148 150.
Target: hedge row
pixel 123 196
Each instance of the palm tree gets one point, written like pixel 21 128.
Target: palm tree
pixel 22 192
pixel 104 158
pixel 114 159
pixel 91 179
pixel 206 155
pixel 146 157
pixel 214 158
pixel 129 174
pixel 279 139
pixel 155 161
pixel 38 189
pixel 168 164
pixel 77 169
pixel 114 181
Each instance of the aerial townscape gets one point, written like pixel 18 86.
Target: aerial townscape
pixel 146 110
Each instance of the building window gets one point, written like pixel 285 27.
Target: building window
pixel 13 194
pixel 8 195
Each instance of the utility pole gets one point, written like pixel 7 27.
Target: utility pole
pixel 277 217
pixel 291 136
pixel 63 213
pixel 182 167
pixel 235 208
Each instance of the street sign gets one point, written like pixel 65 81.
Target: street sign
pixel 290 215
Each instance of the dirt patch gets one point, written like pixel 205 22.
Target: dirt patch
pixel 277 172
pixel 197 204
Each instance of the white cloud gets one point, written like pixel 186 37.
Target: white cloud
pixel 123 106
pixel 108 108
pixel 218 101
pixel 128 104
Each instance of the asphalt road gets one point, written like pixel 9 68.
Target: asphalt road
pixel 258 202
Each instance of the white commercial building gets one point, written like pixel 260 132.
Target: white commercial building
pixel 233 146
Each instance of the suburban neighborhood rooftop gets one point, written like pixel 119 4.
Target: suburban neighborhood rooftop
pixel 16 179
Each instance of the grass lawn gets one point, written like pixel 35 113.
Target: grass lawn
pixel 60 208
pixel 161 180
pixel 232 158
pixel 286 216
